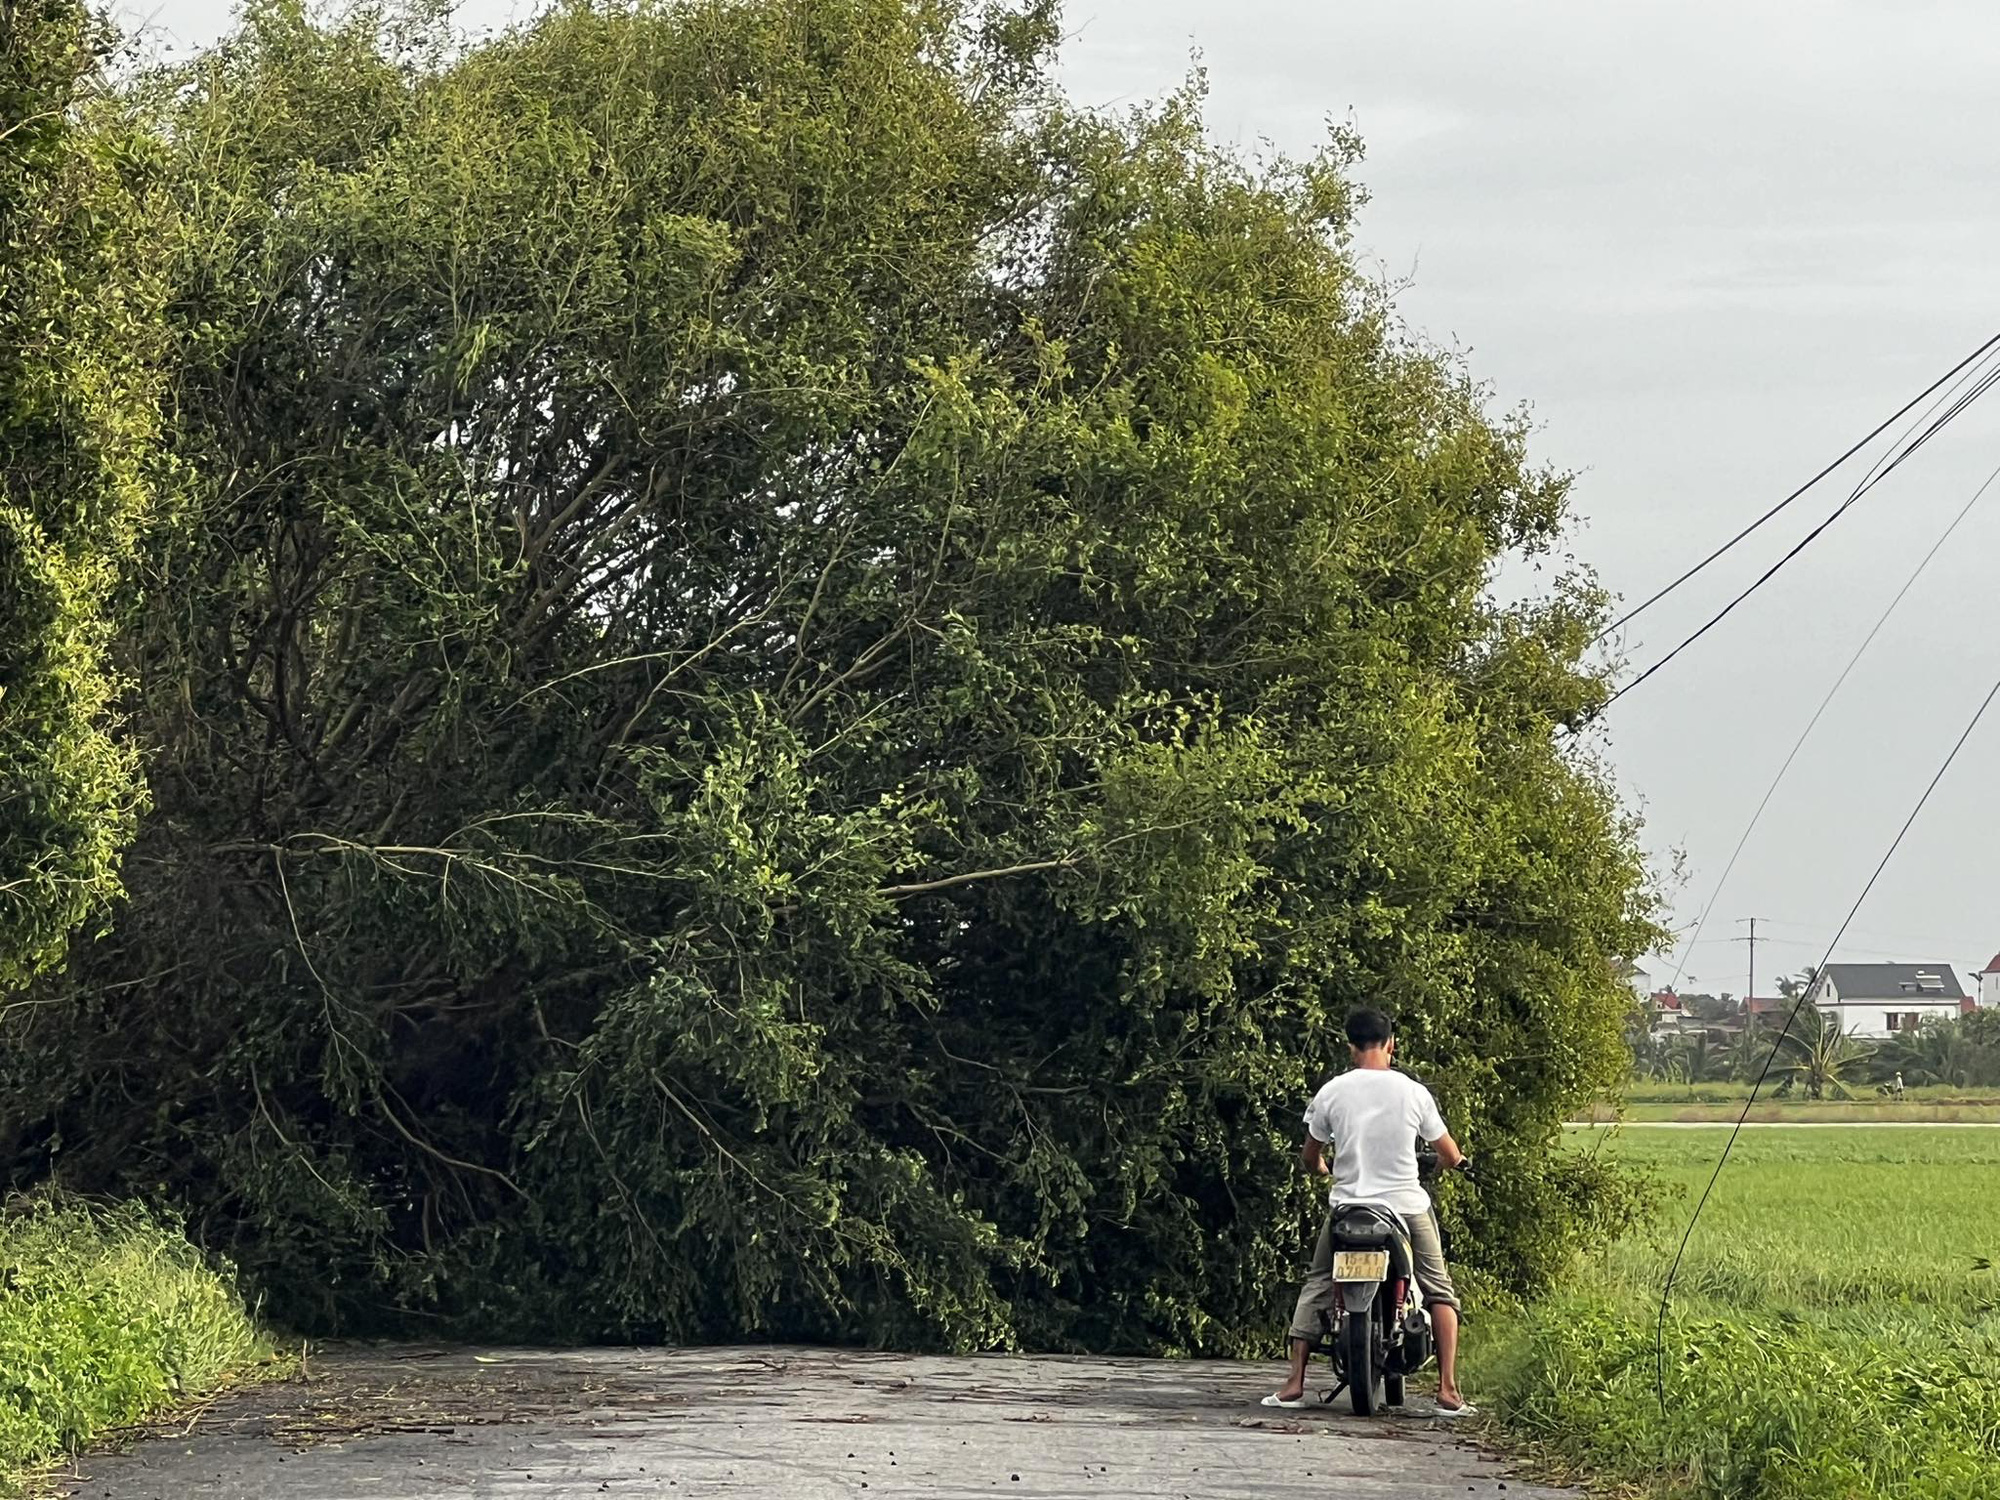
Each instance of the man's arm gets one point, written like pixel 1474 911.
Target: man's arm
pixel 1312 1155
pixel 1430 1125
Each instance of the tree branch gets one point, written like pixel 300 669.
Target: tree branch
pixel 1033 867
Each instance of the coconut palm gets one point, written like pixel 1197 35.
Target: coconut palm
pixel 1791 986
pixel 1699 1059
pixel 1747 1048
pixel 1819 1053
pixel 1642 1039
pixel 1937 1052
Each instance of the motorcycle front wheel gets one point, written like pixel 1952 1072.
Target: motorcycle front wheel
pixel 1357 1350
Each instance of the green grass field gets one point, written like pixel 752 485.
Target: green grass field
pixel 1833 1333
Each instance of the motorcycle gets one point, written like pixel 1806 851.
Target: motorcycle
pixel 1382 1332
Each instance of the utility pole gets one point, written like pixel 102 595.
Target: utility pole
pixel 1751 993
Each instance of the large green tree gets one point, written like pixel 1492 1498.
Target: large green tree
pixel 78 331
pixel 796 687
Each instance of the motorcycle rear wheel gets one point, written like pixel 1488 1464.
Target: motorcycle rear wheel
pixel 1358 1354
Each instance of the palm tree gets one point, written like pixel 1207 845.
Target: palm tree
pixel 1937 1052
pixel 1746 1050
pixel 1705 1062
pixel 1792 986
pixel 1821 1052
pixel 1649 1053
pixel 1694 1058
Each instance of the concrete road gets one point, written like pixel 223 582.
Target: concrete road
pixel 785 1424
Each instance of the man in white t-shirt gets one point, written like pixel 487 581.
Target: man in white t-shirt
pixel 1371 1117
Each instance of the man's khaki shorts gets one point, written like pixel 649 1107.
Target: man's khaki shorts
pixel 1318 1307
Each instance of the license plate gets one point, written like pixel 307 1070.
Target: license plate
pixel 1360 1265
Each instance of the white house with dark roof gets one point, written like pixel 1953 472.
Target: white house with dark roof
pixel 1878 1001
pixel 1989 984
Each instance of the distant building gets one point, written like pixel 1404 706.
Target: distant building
pixel 1670 1017
pixel 1879 1001
pixel 1989 983
pixel 1764 1013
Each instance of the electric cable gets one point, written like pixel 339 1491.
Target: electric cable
pixel 1887 422
pixel 1958 407
pixel 1673 1271
pixel 1805 734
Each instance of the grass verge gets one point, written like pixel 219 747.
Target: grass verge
pixel 1714 1102
pixel 1775 1112
pixel 1653 1091
pixel 1833 1334
pixel 107 1318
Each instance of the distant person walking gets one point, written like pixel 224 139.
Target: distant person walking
pixel 1896 1088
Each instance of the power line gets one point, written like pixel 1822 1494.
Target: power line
pixel 1896 955
pixel 1750 991
pixel 1673 1271
pixel 1875 477
pixel 1887 422
pixel 1820 713
pixel 1928 940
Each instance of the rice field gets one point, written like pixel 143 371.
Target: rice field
pixel 1833 1332
pixel 1841 1224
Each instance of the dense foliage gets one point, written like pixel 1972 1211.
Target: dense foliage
pixel 792 691
pixel 1962 1052
pixel 78 329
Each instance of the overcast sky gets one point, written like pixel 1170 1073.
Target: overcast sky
pixel 1711 244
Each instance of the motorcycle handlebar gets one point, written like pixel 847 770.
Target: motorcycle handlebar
pixel 1429 1167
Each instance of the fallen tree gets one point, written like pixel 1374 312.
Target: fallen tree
pixel 794 688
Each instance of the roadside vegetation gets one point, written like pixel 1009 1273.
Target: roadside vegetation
pixel 106 1319
pixel 1833 1332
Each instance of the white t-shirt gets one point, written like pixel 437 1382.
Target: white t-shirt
pixel 1372 1118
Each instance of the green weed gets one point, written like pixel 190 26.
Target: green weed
pixel 105 1318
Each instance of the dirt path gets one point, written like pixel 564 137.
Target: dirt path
pixel 791 1423
pixel 1789 1124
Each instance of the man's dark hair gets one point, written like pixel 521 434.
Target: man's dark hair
pixel 1368 1028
